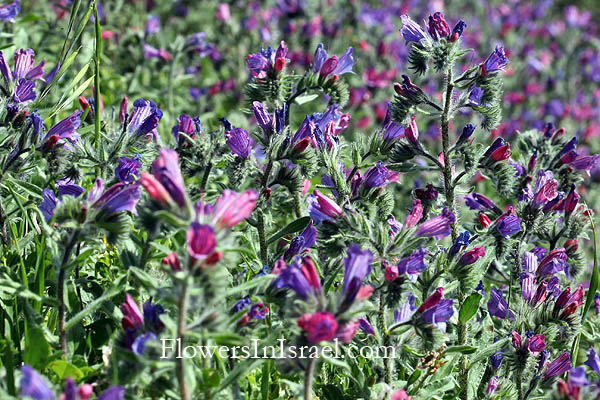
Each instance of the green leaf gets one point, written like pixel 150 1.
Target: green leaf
pixel 292 227
pixel 414 376
pixel 63 369
pixel 487 351
pixel 37 349
pixel 461 349
pixel 469 308
pixel 250 284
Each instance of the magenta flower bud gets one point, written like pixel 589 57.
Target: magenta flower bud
pixel 310 273
pixel 540 295
pixel 123 109
pixel 391 273
pixel 132 316
pixel 535 344
pixel 472 255
pixel 201 241
pixel 412 132
pixel 262 116
pixel 431 301
pixel 172 260
pixel 502 153
pixel 346 332
pixel 322 208
pixel 571 202
pixel 415 215
pixel 516 340
pixel 329 65
pixel 320 326
pixel 438 27
pixel 282 50
pixel 532 161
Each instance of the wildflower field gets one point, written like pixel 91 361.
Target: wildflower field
pixel 299 199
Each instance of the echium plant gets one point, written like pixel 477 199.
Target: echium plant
pixel 285 238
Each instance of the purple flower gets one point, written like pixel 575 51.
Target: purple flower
pixel 357 266
pixel 559 366
pixel 477 201
pixel 475 96
pixel 497 306
pixel 139 344
pixel 292 277
pixel 319 58
pixel 437 227
pixel 320 326
pixel 554 262
pixel 33 385
pixel 166 171
pixel 413 265
pixel 438 27
pixel 545 188
pixel 508 226
pixel 303 241
pixel 258 311
pixel 48 204
pixel 535 344
pixel 238 141
pixel 586 163
pixel 262 116
pixel 152 314
pixel 66 130
pixel 577 378
pixel 152 25
pixel 461 241
pixel 201 241
pixel 113 393
pixel 345 63
pixel 9 11
pixel 322 208
pixel 66 186
pixel 117 198
pixel 439 314
pixel 527 285
pixel 411 31
pixel 258 65
pixel 406 310
pixel 571 201
pixel 186 125
pixel 390 130
pixel 365 326
pixel 127 169
pixel 144 118
pixel 132 316
pixel 492 386
pixel 24 91
pixel 495 62
pixel 496 359
pixel 593 361
pixel 376 176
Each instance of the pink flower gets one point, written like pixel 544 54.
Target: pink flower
pixel 223 14
pixel 232 208
pixel 201 241
pixel 415 215
pixel 132 316
pixel 172 261
pixel 346 333
pixel 320 326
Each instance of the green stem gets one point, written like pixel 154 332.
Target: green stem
pixel 519 383
pixel 261 236
pixel 385 334
pixel 60 292
pixel 97 100
pixel 298 204
pixel 448 187
pixel 181 319
pixel 308 377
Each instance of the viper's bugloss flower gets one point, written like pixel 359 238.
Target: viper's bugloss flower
pixel 357 266
pixel 301 277
pixel 458 30
pixel 412 132
pixel 303 241
pixel 497 306
pixel 201 241
pixel 48 204
pixel 466 133
pixel 411 31
pixel 320 326
pixel 64 131
pixel 406 310
pixel 570 146
pixel 427 195
pixel 66 186
pixel 262 116
pixel 492 386
pixel 553 262
pixel 484 220
pixel 461 241
pixel 501 153
pixel 166 184
pixel 377 176
pixel 477 201
pixel 535 344
pixel 132 316
pixel 495 62
pixel 187 125
pixel 172 260
pixel 401 395
pixel 438 27
pixel 437 227
pixel 508 226
pixel 33 385
pixel 391 272
pixel 144 119
pixel 123 109
pixel 529 262
pixel 586 163
pixel 9 11
pixel 365 326
pixel 496 358
pixel 414 216
pixel 409 90
pixel 231 208
pixel 499 142
pixel 568 302
pixel 113 393
pixel 391 132
pixel 19 83
pixel 119 197
pixel 413 265
pixel 519 169
pixel 322 208
pixel 545 188
pixel 593 361
pixel 128 168
pixel 346 332
pixel 152 25
pixel 431 301
pixel 152 52
pixel 471 256
pixel 571 201
pixel 559 366
pixel 238 141
pixel 527 285
pixel 258 311
pixel 439 314
pixel 532 161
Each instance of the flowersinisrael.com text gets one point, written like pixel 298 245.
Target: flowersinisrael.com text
pixel 174 348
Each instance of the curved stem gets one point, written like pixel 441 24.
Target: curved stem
pixel 308 377
pixel 181 317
